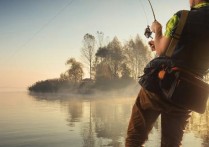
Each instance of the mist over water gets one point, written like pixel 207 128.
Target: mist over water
pixel 65 120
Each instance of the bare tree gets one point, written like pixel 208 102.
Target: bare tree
pixel 88 50
pixel 100 38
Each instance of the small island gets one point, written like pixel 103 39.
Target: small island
pixel 111 64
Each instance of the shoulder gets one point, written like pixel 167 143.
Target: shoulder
pixel 172 24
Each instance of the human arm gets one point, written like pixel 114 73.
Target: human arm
pixel 160 42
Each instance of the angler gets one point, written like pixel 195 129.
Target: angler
pixel 172 84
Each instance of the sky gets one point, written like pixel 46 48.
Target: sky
pixel 38 36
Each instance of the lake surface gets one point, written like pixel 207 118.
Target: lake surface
pixel 61 120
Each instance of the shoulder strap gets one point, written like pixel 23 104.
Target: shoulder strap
pixel 177 34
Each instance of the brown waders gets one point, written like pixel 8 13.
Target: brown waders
pixel 147 108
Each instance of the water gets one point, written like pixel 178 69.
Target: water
pixel 59 120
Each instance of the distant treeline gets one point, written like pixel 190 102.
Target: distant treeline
pixel 111 65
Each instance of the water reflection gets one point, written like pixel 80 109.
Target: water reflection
pixel 199 124
pixel 110 117
pixel 75 110
pixel 103 122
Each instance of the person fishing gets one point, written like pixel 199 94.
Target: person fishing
pixel 191 53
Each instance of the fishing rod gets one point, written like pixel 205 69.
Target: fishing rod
pixel 148 32
pixel 152 10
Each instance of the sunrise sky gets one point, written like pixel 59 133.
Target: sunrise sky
pixel 38 36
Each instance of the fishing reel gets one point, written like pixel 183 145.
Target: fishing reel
pixel 148 32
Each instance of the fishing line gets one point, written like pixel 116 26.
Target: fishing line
pixel 143 8
pixel 41 29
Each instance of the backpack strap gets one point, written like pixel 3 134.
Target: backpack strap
pixel 177 34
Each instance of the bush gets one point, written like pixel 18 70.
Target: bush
pixel 53 85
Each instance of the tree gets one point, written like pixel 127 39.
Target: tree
pixel 103 72
pixel 116 56
pixel 75 72
pixel 102 53
pixel 132 57
pixel 125 71
pixel 64 77
pixel 137 56
pixel 88 50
